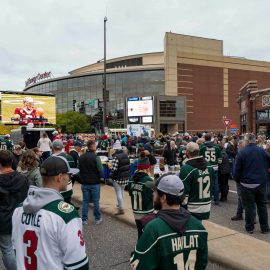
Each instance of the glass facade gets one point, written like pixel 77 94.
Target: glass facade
pixel 172 108
pixel 119 85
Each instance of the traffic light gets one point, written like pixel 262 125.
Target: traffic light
pixel 74 105
pixel 100 116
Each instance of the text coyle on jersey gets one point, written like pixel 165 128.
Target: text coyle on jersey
pixel 47 233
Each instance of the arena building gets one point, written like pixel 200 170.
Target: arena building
pixel 195 86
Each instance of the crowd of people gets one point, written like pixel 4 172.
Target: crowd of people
pixel 169 204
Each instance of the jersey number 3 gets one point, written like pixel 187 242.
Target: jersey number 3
pixel 31 240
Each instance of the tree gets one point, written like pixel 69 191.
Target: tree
pixel 75 122
pixel 5 129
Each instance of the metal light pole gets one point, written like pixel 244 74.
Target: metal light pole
pixel 104 79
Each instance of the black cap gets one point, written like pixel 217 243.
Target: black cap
pixel 78 143
pixel 55 165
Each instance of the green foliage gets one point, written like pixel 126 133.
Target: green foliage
pixel 113 125
pixel 5 129
pixel 75 122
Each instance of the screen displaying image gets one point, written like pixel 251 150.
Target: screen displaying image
pixel 140 106
pixel 24 109
pixel 134 120
pixel 147 119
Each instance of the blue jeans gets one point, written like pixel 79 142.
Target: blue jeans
pixel 251 196
pixel 216 187
pixel 119 190
pixel 8 253
pixel 92 191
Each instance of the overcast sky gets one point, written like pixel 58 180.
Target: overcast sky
pixel 61 35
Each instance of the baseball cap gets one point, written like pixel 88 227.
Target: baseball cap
pixel 58 144
pixel 168 183
pixel 55 165
pixel 55 132
pixel 192 147
pixel 77 143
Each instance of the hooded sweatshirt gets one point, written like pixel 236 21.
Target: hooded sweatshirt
pixel 197 176
pixel 13 190
pixel 176 219
pixel 39 197
pixel 56 228
pixel 198 162
pixel 169 240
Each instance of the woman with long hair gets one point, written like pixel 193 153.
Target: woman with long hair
pixel 45 145
pixel 28 166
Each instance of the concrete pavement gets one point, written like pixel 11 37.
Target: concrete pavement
pixel 226 247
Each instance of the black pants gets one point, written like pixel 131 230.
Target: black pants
pixel 223 180
pixel 139 227
pixel 258 196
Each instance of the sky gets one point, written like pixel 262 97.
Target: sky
pixel 62 35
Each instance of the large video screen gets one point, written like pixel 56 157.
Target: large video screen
pixel 25 109
pixel 140 106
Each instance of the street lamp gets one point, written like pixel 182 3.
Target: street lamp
pixel 104 79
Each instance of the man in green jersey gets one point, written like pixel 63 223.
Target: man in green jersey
pixel 141 196
pixel 174 240
pixel 197 177
pixel 6 143
pixel 212 154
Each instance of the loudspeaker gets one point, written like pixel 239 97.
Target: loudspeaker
pixel 23 130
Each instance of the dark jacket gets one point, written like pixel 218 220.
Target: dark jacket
pixel 198 162
pixel 170 155
pixel 75 155
pixel 231 150
pixel 123 169
pixel 15 161
pixel 152 160
pixel 13 190
pixel 90 168
pixel 224 167
pixel 251 166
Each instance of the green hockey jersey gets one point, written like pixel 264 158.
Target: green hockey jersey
pixel 160 247
pixel 198 177
pixel 6 144
pixel 212 154
pixel 141 196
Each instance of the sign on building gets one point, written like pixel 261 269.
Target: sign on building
pixel 266 100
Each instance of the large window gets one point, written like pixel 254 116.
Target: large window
pixel 172 108
pixel 119 85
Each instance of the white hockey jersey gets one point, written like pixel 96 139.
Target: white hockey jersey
pixel 47 233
